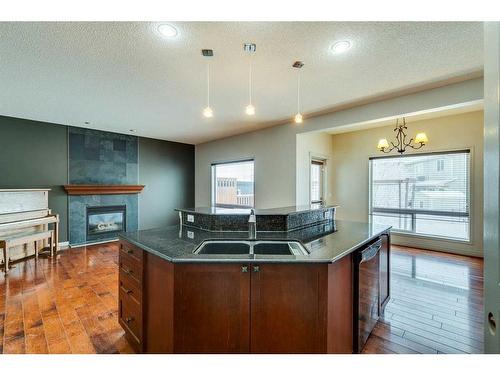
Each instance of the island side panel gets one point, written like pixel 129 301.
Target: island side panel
pixel 340 313
pixel 159 306
pixel 288 309
pixel 385 266
pixel 212 308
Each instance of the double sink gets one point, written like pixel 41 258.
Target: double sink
pixel 239 247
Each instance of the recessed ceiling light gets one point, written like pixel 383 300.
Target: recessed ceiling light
pixel 167 31
pixel 87 122
pixel 341 46
pixel 132 130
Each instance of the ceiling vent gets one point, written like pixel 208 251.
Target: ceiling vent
pixel 298 64
pixel 207 52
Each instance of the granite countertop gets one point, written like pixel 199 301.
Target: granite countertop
pixel 326 242
pixel 258 211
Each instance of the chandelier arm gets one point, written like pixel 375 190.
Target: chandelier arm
pixel 417 147
pixel 389 150
pixel 409 142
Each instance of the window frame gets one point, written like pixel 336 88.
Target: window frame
pixel 213 177
pixel 470 195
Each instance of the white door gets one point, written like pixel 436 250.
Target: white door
pixel 492 186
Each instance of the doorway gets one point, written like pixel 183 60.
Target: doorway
pixel 317 181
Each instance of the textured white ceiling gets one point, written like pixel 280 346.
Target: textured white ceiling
pixel 121 76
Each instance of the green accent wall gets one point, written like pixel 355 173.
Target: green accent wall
pixel 35 155
pixel 167 170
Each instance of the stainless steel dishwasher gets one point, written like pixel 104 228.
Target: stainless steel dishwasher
pixel 367 293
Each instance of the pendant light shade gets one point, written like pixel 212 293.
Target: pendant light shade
pixel 298 119
pixel 208 112
pixel 250 110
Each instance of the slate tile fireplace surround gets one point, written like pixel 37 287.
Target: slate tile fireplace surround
pixel 101 158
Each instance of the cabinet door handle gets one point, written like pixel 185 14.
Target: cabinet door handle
pixel 127 271
pixel 244 269
pixel 256 268
pixel 129 320
pixel 128 291
pixel 130 251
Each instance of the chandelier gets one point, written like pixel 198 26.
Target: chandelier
pixel 401 144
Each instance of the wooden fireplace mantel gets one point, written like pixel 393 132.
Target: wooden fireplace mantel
pixel 102 189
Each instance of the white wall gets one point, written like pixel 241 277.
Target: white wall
pixel 275 149
pixel 352 150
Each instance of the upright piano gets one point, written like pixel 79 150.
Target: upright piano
pixel 22 210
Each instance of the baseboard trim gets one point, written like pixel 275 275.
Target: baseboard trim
pixel 63 245
pixel 74 246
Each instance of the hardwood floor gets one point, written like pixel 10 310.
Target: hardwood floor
pixel 69 305
pixel 436 305
pixel 64 306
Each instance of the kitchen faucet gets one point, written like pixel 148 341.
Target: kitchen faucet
pixel 252 225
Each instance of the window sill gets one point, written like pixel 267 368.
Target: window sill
pixel 430 237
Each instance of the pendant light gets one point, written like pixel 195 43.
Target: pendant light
pixel 298 117
pixel 207 111
pixel 250 48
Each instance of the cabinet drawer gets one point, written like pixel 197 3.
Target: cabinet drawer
pixel 129 250
pixel 130 317
pixel 130 289
pixel 129 268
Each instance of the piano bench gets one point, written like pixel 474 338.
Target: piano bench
pixel 24 238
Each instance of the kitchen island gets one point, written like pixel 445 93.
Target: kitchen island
pixel 175 300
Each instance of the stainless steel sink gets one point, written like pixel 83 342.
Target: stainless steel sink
pixel 238 247
pixel 223 247
pixel 279 248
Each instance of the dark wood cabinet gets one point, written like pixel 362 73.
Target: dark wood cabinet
pixel 384 271
pixel 130 293
pixel 288 308
pixel 212 308
pixel 168 307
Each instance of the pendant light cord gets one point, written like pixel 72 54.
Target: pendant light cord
pixel 208 84
pixel 250 81
pixel 298 91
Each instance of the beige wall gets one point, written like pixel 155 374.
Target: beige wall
pixel 350 173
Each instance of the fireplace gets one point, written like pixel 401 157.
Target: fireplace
pixel 105 222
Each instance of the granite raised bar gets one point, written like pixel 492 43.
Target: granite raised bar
pixel 325 242
pixel 281 219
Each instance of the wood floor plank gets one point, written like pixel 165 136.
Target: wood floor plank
pixel 433 314
pixel 65 305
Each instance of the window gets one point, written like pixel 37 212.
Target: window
pixel 233 184
pixel 440 165
pixel 317 181
pixel 427 194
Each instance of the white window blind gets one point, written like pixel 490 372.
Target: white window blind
pixel 426 194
